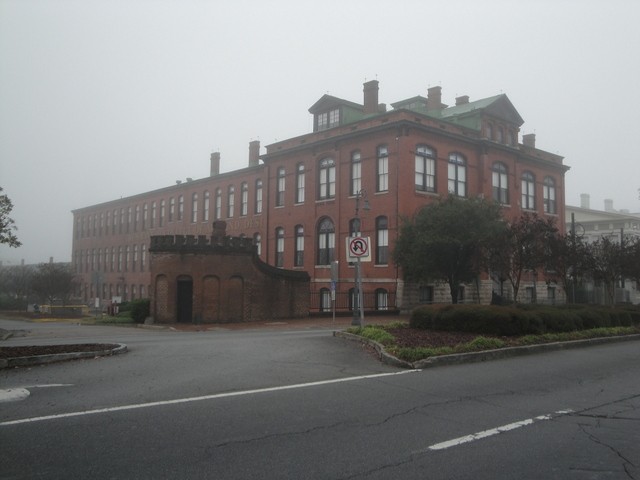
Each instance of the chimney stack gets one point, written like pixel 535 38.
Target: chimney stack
pixel 608 205
pixel 215 164
pixel 371 97
pixel 529 140
pixel 585 201
pixel 254 153
pixel 463 100
pixel 434 98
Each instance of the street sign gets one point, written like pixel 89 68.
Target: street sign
pixel 358 247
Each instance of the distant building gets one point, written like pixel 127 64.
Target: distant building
pixel 592 225
pixel 297 200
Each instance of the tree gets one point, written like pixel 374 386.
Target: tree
pixel 53 282
pixel 524 246
pixel 448 241
pixel 7 225
pixel 570 259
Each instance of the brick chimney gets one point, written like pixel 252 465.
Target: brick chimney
pixel 462 100
pixel 215 164
pixel 434 98
pixel 254 153
pixel 529 140
pixel 370 97
pixel 585 201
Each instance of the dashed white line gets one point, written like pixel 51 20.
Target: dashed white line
pixel 494 431
pixel 201 398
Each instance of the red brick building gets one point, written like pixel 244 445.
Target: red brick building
pixel 297 200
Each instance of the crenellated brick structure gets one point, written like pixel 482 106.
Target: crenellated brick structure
pixel 220 279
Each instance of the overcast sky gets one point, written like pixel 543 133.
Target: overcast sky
pixel 103 99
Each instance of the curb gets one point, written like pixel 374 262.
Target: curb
pixel 484 355
pixel 59 357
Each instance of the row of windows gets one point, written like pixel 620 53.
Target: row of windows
pixel 157 213
pixel 133 218
pixel 115 259
pixel 108 291
pixel 425 180
pixel 326 242
pixel 497 133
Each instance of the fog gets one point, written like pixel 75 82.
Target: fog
pixel 105 99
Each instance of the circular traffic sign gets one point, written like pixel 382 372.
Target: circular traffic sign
pixel 358 247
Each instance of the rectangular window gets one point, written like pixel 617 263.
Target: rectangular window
pixel 258 196
pixel 382 183
pixel 280 185
pixel 180 207
pixel 205 207
pixel 218 210
pixel 356 173
pixel 194 208
pixel 425 169
pixel 300 177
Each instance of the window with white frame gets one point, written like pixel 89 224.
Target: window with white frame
pixel 326 242
pixel 382 299
pixel 258 205
pixel 549 195
pixel 194 207
pixel 457 175
pixel 257 241
pixel 279 247
pixel 280 187
pixel 231 195
pixel 206 202
pixel 180 207
pixel 218 206
pixel 356 173
pixel 328 119
pixel 162 213
pixel 425 169
pixel 382 172
pixel 244 199
pixel 172 209
pixel 382 241
pixel 298 260
pixel 500 177
pixel 300 178
pixel 528 187
pixel 327 179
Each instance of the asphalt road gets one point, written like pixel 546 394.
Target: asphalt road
pixel 300 404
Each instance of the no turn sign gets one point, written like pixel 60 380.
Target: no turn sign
pixel 358 247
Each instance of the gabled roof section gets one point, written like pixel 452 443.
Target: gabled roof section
pixel 411 103
pixel 328 102
pixel 498 106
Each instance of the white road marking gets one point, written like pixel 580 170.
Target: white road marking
pixel 494 431
pixel 204 397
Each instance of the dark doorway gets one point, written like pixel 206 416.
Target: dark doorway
pixel 185 300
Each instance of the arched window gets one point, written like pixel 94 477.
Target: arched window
pixel 180 207
pixel 258 205
pixel 356 173
pixel 327 179
pixel 231 195
pixel 325 300
pixel 218 208
pixel 500 183
pixel 172 209
pixel 244 199
pixel 528 191
pixel 425 169
pixel 488 131
pixel 162 213
pixel 257 241
pixel 382 299
pixel 382 241
pixel 205 206
pixel 500 135
pixel 279 247
pixel 326 242
pixel 549 195
pixel 298 259
pixel 457 175
pixel 300 180
pixel 194 207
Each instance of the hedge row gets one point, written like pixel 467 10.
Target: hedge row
pixel 520 320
